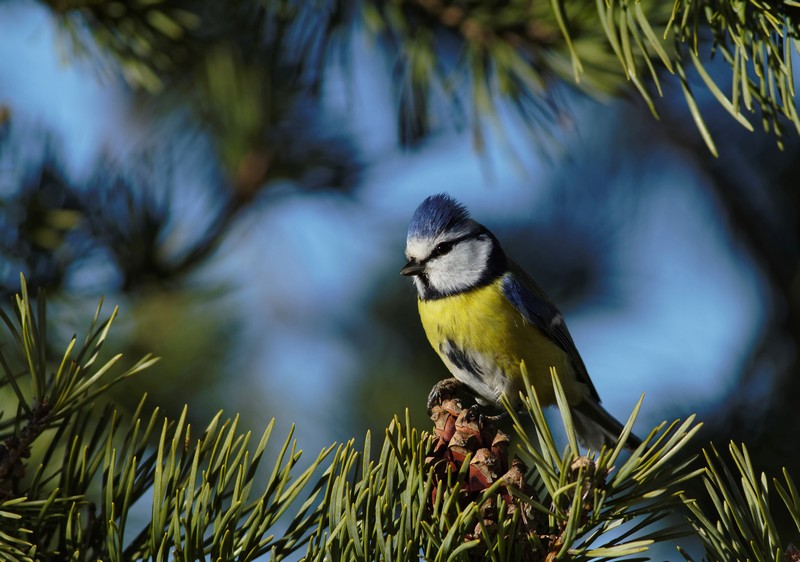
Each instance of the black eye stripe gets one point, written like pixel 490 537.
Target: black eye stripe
pixel 445 247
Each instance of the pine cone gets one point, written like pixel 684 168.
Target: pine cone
pixel 465 433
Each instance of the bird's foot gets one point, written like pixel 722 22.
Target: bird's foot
pixel 484 420
pixel 446 389
pixel 497 418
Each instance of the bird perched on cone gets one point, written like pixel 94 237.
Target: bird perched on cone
pixel 485 317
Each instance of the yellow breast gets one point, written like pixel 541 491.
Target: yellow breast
pixel 483 323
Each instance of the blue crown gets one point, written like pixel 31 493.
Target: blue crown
pixel 435 215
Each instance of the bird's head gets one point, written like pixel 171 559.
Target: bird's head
pixel 447 251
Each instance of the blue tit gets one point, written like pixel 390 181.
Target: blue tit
pixel 485 316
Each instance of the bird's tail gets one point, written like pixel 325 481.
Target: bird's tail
pixel 596 427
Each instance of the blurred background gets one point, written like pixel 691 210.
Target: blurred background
pixel 239 177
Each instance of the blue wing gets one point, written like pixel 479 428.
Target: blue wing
pixel 537 309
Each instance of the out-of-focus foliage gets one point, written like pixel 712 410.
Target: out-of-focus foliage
pixel 119 232
pixel 146 39
pixel 246 71
pixel 121 222
pixel 226 96
pixel 756 186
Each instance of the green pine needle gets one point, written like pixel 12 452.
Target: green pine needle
pixel 220 493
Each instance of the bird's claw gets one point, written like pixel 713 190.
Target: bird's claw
pixel 475 414
pixel 443 390
pixel 497 418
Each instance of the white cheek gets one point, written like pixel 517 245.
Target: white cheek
pixel 461 268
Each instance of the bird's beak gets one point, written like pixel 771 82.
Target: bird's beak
pixel 413 267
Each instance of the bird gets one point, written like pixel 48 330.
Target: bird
pixel 486 317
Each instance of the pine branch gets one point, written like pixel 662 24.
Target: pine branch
pixel 70 474
pixel 743 527
pixel 516 50
pixel 459 497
